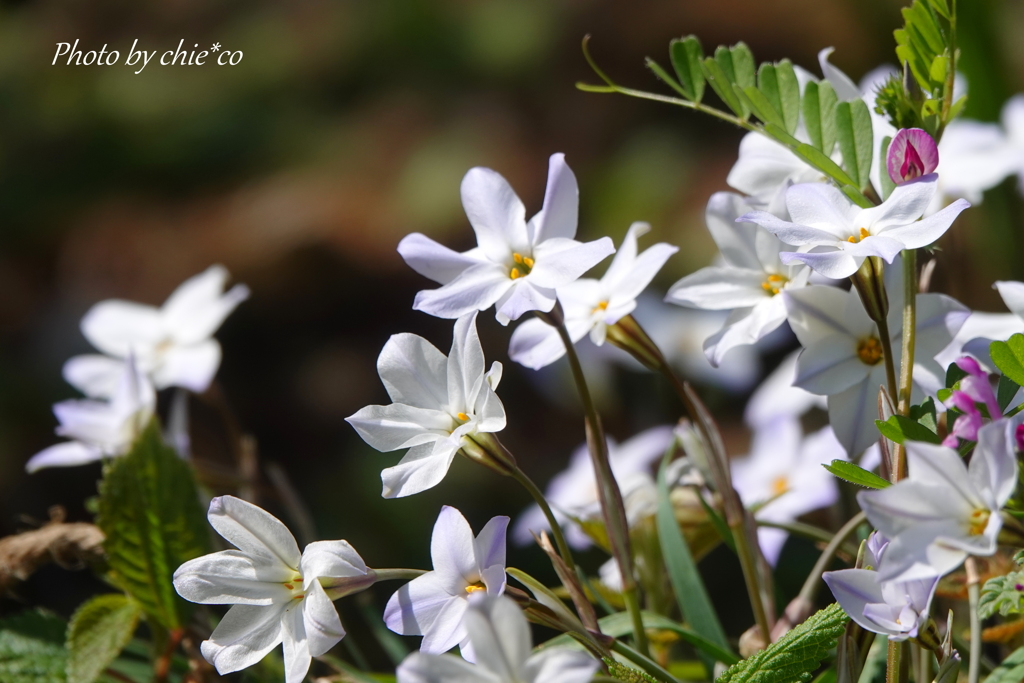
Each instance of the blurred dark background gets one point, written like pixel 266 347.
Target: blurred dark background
pixel 348 124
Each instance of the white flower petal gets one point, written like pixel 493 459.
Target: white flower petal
pixel 118 327
pixel 718 288
pixel 854 590
pixel 832 264
pixel 735 239
pixel 94 375
pixel 559 261
pixel 296 647
pixel 1012 294
pixel 395 426
pixel 559 215
pixel 993 466
pixel 745 326
pixel 190 366
pixel 329 559
pixel 535 344
pixel 500 636
pixel 231 577
pixel 495 212
pixel 244 636
pixel 466 365
pixel 489 545
pixel 255 532
pixel 320 619
pixel 199 306
pixel 795 234
pixel 524 296
pixel 69 454
pixel 845 88
pixel 452 550
pixel 927 230
pixel 560 665
pixel 413 608
pixel 824 207
pixel 425 668
pixel 421 468
pixel 852 414
pixel 904 205
pixel 830 365
pixel 448 628
pixel 432 259
pixel 475 289
pixel 413 371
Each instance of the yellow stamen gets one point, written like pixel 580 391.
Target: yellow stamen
pixel 774 283
pixel 869 351
pixel 514 273
pixel 518 258
pixel 524 264
pixel 603 306
pixel 463 417
pixel 528 262
pixel 979 521
pixel 863 234
pixel 289 586
pixel 780 485
pixel 475 588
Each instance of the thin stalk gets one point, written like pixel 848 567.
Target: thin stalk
pixel 895 664
pixel 644 662
pixel 813 581
pixel 398 574
pixel 909 329
pixel 808 531
pixel 973 596
pixel 556 527
pixel 608 489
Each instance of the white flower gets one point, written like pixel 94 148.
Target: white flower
pixel 438 402
pixel 100 429
pixel 843 234
pixel 517 265
pixel 748 284
pixel 573 492
pixel 433 605
pixel 897 609
pixel 842 352
pixel 589 305
pixel 173 344
pixel 501 640
pixel 981 329
pixel 784 474
pixel 944 511
pixel 777 397
pixel 278 595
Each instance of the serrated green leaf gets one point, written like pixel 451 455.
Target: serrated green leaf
pixel 621 672
pixel 883 171
pixel 1001 595
pixel 789 94
pixel 99 630
pixel 796 655
pixel 855 474
pixel 900 428
pixel 686 581
pixel 743 65
pixel 853 130
pixel 686 55
pixel 1009 357
pixel 756 101
pixel 1010 671
pixel 821 162
pixel 150 513
pixel 721 83
pixel 32 648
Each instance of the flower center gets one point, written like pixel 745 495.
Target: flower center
pixel 773 284
pixel 523 266
pixel 912 166
pixel 463 417
pixel 603 306
pixel 869 351
pixel 863 234
pixel 294 585
pixel 475 588
pixel 979 521
pixel 780 485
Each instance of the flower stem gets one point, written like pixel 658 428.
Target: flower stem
pixel 910 284
pixel 973 596
pixel 896 668
pixel 556 528
pixel 607 489
pixel 398 574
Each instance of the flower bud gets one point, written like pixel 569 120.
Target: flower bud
pixel 912 154
pixel 485 449
pixel 339 587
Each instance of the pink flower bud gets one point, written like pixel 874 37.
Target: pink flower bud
pixel 1018 436
pixel 912 154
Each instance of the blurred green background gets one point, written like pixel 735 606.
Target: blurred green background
pixel 348 124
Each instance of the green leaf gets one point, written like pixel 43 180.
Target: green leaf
pixel 1009 357
pixel 721 82
pixel 544 595
pixel 900 428
pixel 853 129
pixel 691 595
pixel 883 171
pixel 856 474
pixel 686 55
pixel 796 655
pixel 150 513
pixel 768 89
pixel 789 93
pixel 756 101
pixel 620 624
pixel 743 65
pixel 1010 671
pixel 98 631
pixel 621 672
pixel 821 162
pixel 1000 595
pixel 1006 391
pixel 664 75
pixel 941 7
pixel 819 110
pixel 32 648
pixel 925 414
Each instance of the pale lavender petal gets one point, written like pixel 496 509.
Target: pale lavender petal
pixel 433 260
pixel 559 215
pixel 475 289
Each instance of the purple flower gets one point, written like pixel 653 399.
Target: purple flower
pixel 912 154
pixel 974 388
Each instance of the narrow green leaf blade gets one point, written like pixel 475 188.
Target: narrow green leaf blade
pixel 721 83
pixel 855 474
pixel 743 65
pixel 821 162
pixel 149 510
pixel 99 630
pixel 685 578
pixel 796 655
pixel 768 85
pixel 686 55
pixel 759 104
pixel 883 172
pixel 812 114
pixel 1009 357
pixel 827 103
pixel 853 129
pixel 789 93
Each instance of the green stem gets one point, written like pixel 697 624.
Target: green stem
pixel 808 531
pixel 895 664
pixel 556 527
pixel 398 574
pixel 608 489
pixel 651 667
pixel 810 587
pixel 909 330
pixel 973 596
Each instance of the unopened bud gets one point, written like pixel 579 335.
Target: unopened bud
pixel 631 338
pixel 485 449
pixel 912 154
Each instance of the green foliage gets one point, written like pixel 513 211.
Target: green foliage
pixel 856 474
pixel 686 55
pixel 856 141
pixel 1010 671
pixel 819 109
pixel 1009 357
pixel 687 583
pixel 1006 391
pixel 32 648
pixel 900 428
pixel 98 631
pixel 621 672
pixel 149 510
pixel 796 655
pixel 887 183
pixel 1002 595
